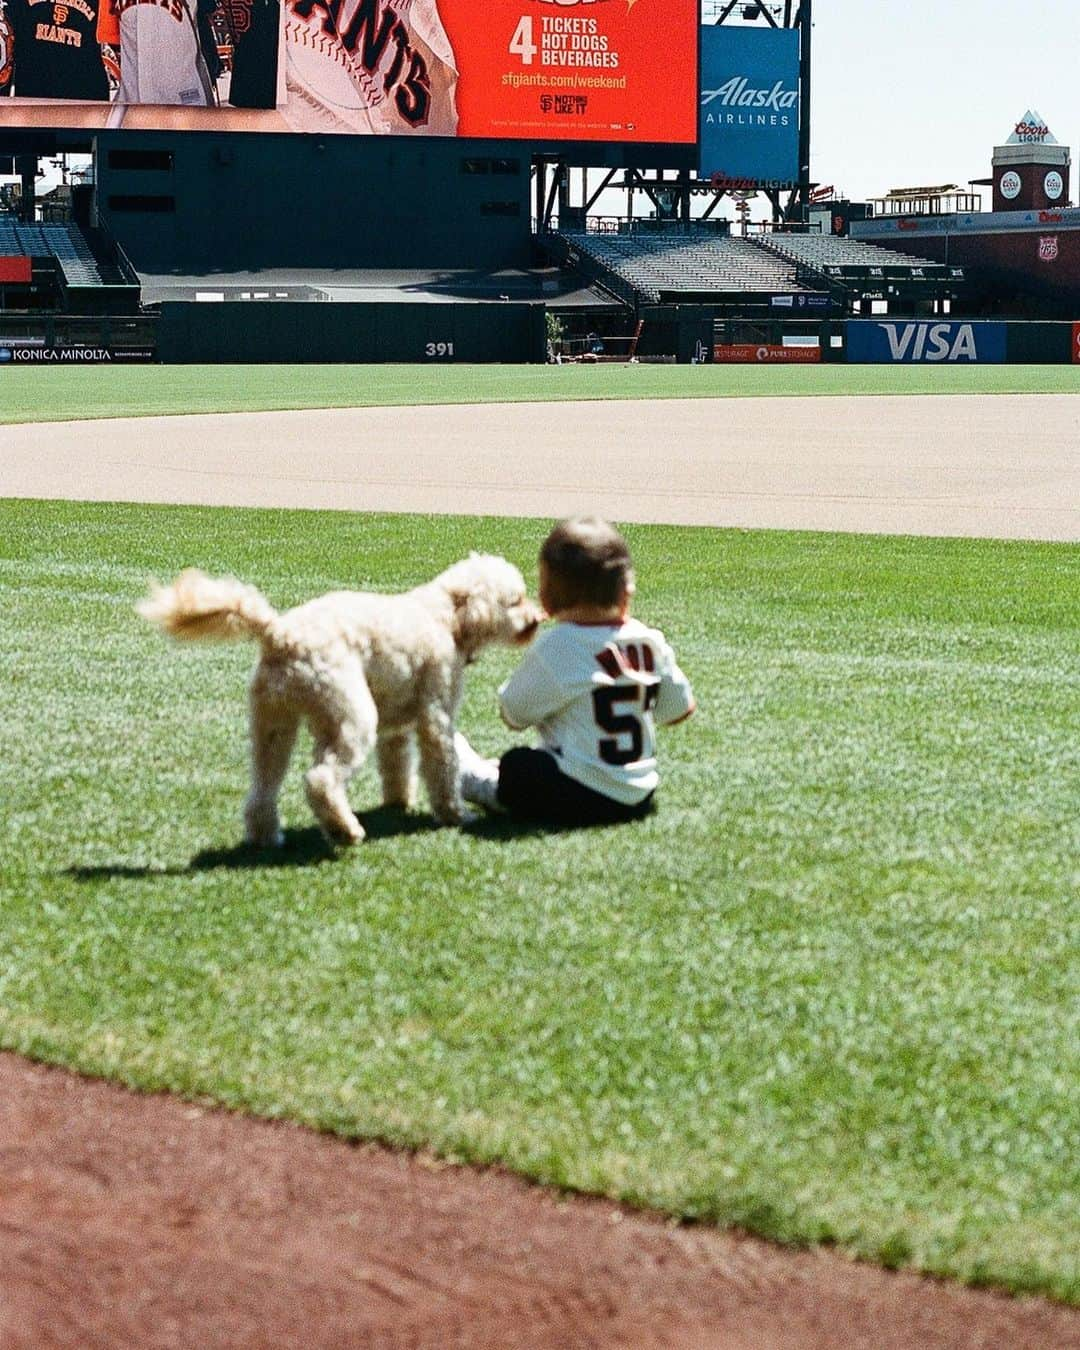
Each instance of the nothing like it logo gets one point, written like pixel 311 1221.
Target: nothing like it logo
pixel 739 93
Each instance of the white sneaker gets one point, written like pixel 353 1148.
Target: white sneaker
pixel 477 776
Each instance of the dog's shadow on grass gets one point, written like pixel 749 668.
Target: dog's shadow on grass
pixel 310 848
pixel 301 848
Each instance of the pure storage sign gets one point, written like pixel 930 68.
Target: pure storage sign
pixel 913 343
pixel 750 105
pixel 579 70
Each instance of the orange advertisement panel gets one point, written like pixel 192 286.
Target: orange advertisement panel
pixel 590 70
pixel 578 70
pixel 745 353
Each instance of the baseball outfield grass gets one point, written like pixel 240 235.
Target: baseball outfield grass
pixel 827 992
pixel 126 391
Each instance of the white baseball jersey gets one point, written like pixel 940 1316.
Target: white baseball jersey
pixel 160 57
pixel 595 693
pixel 381 66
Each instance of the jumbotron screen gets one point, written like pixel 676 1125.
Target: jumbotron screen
pixel 574 70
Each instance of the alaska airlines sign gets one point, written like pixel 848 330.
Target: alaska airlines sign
pixel 738 93
pixel 750 104
pixel 914 343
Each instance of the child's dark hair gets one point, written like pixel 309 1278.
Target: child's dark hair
pixel 587 562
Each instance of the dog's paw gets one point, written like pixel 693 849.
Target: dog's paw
pixel 457 815
pixel 265 838
pixel 344 833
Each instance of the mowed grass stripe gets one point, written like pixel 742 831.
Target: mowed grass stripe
pixel 829 991
pixel 132 391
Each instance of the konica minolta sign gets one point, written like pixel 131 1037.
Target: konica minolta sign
pixel 750 104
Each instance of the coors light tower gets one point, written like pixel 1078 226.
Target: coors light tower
pixel 1031 170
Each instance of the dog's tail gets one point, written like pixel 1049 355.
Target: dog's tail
pixel 197 607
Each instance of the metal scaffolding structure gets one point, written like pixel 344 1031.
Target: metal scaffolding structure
pixel 670 192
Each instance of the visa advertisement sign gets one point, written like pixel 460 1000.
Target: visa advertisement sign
pixel 911 342
pixel 750 106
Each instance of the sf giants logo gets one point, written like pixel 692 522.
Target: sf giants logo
pixel 60 13
pixel 238 13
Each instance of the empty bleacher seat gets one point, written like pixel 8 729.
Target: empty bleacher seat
pixel 670 264
pixel 824 252
pixel 63 241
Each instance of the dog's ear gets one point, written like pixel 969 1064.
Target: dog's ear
pixel 474 613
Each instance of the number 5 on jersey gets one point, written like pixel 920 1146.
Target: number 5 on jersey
pixel 618 710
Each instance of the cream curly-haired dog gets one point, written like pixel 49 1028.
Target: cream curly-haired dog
pixel 361 670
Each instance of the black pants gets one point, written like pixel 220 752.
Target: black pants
pixel 532 787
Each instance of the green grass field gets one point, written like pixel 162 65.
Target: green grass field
pixel 827 992
pixel 130 391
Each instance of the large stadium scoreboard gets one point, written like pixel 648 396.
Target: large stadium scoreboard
pixel 541 70
pixel 618 72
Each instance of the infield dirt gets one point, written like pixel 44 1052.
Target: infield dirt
pixel 1005 466
pixel 142 1221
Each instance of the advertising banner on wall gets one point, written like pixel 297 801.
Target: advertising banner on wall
pixel 28 351
pixel 770 354
pixel 907 342
pixel 750 105
pixel 576 70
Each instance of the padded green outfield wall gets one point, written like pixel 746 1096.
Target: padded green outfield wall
pixel 302 333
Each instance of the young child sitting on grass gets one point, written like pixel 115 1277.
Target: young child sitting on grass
pixel 594 686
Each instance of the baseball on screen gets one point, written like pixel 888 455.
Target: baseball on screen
pixel 577 70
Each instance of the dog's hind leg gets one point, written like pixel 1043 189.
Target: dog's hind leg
pixel 343 726
pixel 397 767
pixel 273 735
pixel 439 766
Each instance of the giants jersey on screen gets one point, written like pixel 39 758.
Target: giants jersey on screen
pixel 255 28
pixel 383 66
pixel 161 60
pixel 50 49
pixel 595 694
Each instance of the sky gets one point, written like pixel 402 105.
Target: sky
pixel 910 93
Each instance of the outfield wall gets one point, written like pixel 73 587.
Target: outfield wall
pixel 304 333
pixel 308 333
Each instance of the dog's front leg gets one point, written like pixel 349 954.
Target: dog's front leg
pixel 439 766
pixel 395 750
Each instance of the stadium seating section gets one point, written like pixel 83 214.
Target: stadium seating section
pixel 664 266
pixel 832 255
pixel 64 242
